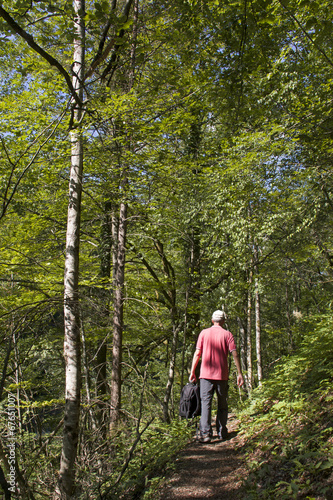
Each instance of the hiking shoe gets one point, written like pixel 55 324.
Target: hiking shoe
pixel 224 433
pixel 205 438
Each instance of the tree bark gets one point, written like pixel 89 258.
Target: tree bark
pixel 105 298
pixel 258 322
pixel 258 333
pixel 184 339
pixel 71 278
pixel 171 376
pixel 242 345
pixel 119 228
pixel 119 233
pixel 248 333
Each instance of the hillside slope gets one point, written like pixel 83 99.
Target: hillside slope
pixel 288 424
pixel 281 446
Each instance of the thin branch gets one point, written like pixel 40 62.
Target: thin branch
pixel 50 59
pixel 154 275
pixel 44 18
pixel 7 201
pixel 47 441
pixel 309 37
pixel 113 59
pixel 4 370
pixel 102 55
pixel 138 437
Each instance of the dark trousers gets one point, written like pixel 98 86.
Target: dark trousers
pixel 207 389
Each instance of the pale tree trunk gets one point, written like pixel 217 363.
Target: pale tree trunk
pixel 119 227
pixel 170 295
pixel 71 278
pixel 258 333
pixel 105 298
pixel 192 293
pixel 290 335
pixel 248 334
pixel 184 338
pixel 242 344
pixel 288 312
pixel 171 376
pixel 258 322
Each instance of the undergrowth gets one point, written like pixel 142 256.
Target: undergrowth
pixel 138 469
pixel 287 425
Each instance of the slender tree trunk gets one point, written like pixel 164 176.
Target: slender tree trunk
pixel 192 293
pixel 119 233
pixel 101 383
pixel 87 376
pixel 288 312
pixel 184 339
pixel 5 486
pixel 119 254
pixel 171 299
pixel 71 278
pixel 17 381
pixel 248 334
pixel 258 333
pixel 288 307
pixel 242 344
pixel 257 314
pixel 171 376
pixel 105 298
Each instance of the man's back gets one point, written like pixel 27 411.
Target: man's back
pixel 215 343
pixel 213 346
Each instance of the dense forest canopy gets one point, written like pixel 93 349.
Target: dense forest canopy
pixel 159 160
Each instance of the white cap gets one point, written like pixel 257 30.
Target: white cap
pixel 218 316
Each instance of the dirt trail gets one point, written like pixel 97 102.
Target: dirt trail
pixel 214 470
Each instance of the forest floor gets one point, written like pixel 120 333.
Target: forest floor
pixel 215 470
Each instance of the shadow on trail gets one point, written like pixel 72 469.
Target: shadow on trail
pixel 207 470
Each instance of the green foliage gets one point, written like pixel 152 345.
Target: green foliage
pixel 220 115
pixel 150 457
pixel 288 422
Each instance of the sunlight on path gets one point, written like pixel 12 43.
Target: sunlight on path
pixel 213 470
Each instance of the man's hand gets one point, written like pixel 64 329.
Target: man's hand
pixel 195 361
pixel 240 380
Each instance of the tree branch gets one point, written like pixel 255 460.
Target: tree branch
pixel 113 59
pixel 101 54
pixel 50 59
pixel 6 200
pixel 309 37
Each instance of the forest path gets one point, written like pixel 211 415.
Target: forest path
pixel 209 471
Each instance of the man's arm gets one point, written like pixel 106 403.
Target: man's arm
pixel 240 380
pixel 195 361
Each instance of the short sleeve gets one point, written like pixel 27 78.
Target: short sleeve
pixel 231 342
pixel 200 342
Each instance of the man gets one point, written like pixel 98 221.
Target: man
pixel 214 345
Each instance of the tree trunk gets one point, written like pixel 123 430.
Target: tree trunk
pixel 258 333
pixel 105 297
pixel 71 278
pixel 192 293
pixel 184 340
pixel 172 364
pixel 242 344
pixel 119 228
pixel 258 322
pixel 248 334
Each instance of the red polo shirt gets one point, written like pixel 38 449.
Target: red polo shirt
pixel 215 343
